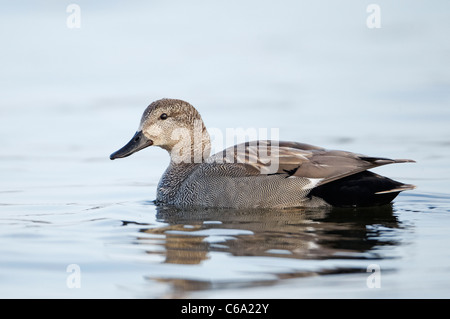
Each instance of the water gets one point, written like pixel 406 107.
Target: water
pixel 316 72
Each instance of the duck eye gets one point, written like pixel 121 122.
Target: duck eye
pixel 163 116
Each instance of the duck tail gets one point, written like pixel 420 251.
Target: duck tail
pixel 362 189
pixel 383 161
pixel 401 188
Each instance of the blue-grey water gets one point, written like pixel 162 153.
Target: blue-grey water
pixel 74 224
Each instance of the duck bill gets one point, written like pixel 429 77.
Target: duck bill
pixel 137 143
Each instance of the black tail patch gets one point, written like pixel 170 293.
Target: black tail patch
pixel 358 190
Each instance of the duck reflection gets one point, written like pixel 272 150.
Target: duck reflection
pixel 188 236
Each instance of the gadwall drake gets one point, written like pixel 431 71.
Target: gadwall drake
pixel 255 174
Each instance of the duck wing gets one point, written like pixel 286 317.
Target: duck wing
pixel 301 160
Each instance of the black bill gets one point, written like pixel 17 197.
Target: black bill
pixel 137 142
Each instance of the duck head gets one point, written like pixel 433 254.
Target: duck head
pixel 173 125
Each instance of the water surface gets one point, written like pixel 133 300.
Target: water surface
pixel 313 71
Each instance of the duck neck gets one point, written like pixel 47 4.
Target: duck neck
pixel 193 147
pixel 185 156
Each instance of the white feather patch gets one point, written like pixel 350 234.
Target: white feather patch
pixel 313 182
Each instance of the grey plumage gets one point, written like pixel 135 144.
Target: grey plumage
pixel 253 174
pixel 232 185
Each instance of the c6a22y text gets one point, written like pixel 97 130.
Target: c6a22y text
pixel 246 308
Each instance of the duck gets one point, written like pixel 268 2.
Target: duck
pixel 254 174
